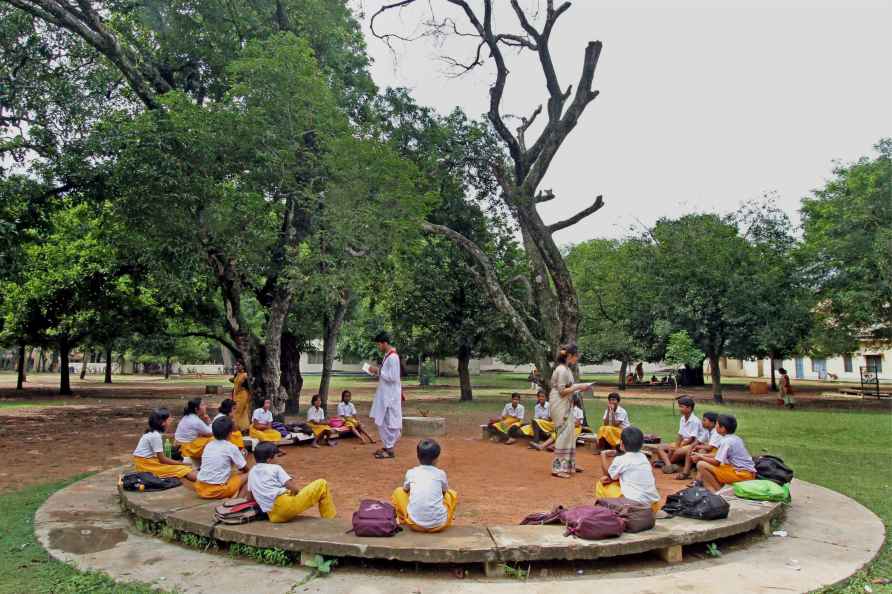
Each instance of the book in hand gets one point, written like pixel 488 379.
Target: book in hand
pixel 367 368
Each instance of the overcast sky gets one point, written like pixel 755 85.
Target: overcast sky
pixel 703 104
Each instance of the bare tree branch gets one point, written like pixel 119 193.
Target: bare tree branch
pixel 525 125
pixel 544 196
pixel 596 206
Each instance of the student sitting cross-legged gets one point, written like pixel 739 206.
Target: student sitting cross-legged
pixel 613 422
pixel 227 409
pixel 540 426
pixel 512 416
pixel 216 479
pixel 194 430
pixel 707 443
pixel 262 424
pixel 347 412
pixel 629 474
pixel 689 428
pixel 732 462
pixel 279 495
pixel 149 453
pixel 425 503
pixel 322 432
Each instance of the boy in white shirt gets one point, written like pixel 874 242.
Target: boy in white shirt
pixel 347 412
pixel 425 503
pixel 613 422
pixel 216 479
pixel 512 415
pixel 540 426
pixel 629 475
pixel 689 429
pixel 707 443
pixel 279 495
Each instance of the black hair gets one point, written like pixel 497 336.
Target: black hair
pixel 541 391
pixel 192 406
pixel 614 396
pixel 264 451
pixel 156 420
pixel 382 337
pixel 686 401
pixel 782 370
pixel 226 406
pixel 712 416
pixel 315 398
pixel 728 422
pixel 346 393
pixel 566 351
pixel 222 427
pixel 428 451
pixel 632 439
pixel 515 395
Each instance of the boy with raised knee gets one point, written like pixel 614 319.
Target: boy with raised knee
pixel 689 429
pixel 732 462
pixel 279 495
pixel 425 503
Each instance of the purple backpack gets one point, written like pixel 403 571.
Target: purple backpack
pixel 592 523
pixel 375 518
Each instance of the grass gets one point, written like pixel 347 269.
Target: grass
pixel 29 404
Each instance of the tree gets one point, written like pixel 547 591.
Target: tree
pixel 682 352
pixel 521 171
pixel 847 238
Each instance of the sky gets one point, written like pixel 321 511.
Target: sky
pixel 703 103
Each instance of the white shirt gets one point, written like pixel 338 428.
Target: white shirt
pixel 346 409
pixel 387 407
pixel 636 479
pixel 733 451
pixel 217 417
pixel 190 428
pixel 715 438
pixel 261 415
pixel 511 411
pixel 266 482
pixel 426 487
pixel 217 461
pixel 578 415
pixel 149 445
pixel 315 415
pixel 540 411
pixel 690 427
pixel 621 416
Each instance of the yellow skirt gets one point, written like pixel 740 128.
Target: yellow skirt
pixel 319 428
pixel 544 425
pixel 160 470
pixel 610 434
pixel 505 424
pixel 727 474
pixel 195 448
pixel 265 435
pixel 613 490
pixel 400 501
pixel 228 490
pixel 351 422
pixel 236 439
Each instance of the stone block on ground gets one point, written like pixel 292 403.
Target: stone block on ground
pixel 424 426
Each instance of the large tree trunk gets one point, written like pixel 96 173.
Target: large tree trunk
pixel 773 381
pixel 623 366
pixel 108 364
pixel 271 355
pixel 64 378
pixel 22 377
pixel 292 380
pixel 716 374
pixel 464 373
pixel 332 328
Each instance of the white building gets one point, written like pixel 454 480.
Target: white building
pixel 841 367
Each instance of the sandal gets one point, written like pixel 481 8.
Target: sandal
pixel 670 469
pixel 562 475
pixel 580 469
pixel 384 454
pixel 682 476
pixel 509 441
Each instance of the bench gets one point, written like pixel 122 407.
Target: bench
pixel 292 439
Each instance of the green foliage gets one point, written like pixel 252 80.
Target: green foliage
pixel 681 351
pixel 196 541
pixel 516 573
pixel 712 550
pixel 267 556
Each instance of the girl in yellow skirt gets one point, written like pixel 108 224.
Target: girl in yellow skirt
pixel 316 420
pixel 578 422
pixel 216 480
pixel 194 430
pixel 347 411
pixel 512 416
pixel 242 397
pixel 226 410
pixel 149 453
pixel 262 424
pixel 613 422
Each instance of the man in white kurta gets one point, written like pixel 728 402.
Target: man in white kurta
pixel 387 407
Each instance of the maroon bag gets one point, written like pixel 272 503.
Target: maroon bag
pixel 375 518
pixel 592 523
pixel 637 516
pixel 540 518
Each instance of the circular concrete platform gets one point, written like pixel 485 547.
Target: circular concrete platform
pixel 830 538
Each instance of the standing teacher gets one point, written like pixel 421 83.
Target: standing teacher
pixel 387 407
pixel 560 404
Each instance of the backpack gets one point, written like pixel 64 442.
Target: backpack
pixel 540 518
pixel 375 518
pixel 238 511
pixel 651 438
pixel 592 523
pixel 762 490
pixel 772 468
pixel 637 516
pixel 146 481
pixel 281 428
pixel 698 503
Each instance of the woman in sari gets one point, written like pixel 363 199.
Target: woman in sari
pixel 560 404
pixel 242 398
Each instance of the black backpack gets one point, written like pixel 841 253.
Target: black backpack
pixel 698 503
pixel 773 469
pixel 146 481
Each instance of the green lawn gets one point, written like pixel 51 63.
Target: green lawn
pixel 30 404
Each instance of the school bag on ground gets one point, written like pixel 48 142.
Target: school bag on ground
pixel 762 490
pixel 637 516
pixel 698 503
pixel 592 523
pixel 540 518
pixel 238 511
pixel 772 468
pixel 146 481
pixel 375 518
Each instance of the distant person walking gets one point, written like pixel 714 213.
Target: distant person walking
pixel 560 405
pixel 242 397
pixel 786 388
pixel 387 406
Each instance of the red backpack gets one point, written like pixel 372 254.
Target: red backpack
pixel 592 523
